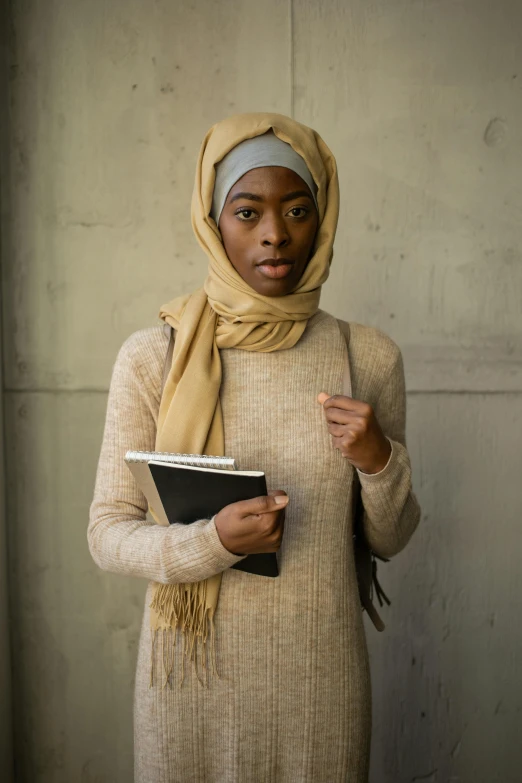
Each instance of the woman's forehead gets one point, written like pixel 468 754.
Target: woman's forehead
pixel 269 178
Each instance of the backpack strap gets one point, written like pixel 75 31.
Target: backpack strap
pixel 365 559
pixel 170 350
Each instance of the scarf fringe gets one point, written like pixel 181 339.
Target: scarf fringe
pixel 183 608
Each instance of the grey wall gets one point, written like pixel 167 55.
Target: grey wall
pixel 421 103
pixel 6 749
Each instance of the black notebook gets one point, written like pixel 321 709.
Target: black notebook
pixel 189 493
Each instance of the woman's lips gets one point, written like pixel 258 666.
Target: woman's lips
pixel 275 271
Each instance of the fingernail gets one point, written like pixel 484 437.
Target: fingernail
pixel 280 499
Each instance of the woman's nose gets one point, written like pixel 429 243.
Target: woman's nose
pixel 274 233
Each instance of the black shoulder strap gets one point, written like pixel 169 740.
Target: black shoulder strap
pixel 170 350
pixel 347 375
pixel 365 563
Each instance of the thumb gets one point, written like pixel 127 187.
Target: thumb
pixel 322 397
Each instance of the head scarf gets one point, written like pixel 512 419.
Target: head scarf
pixel 228 313
pixel 265 150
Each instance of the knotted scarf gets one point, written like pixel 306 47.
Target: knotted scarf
pixel 228 313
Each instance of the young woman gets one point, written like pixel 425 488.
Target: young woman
pixel 242 678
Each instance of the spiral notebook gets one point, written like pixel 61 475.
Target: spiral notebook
pixel 185 487
pixel 138 463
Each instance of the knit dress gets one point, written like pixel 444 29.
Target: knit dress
pixel 293 701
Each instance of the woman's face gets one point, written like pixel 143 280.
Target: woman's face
pixel 268 226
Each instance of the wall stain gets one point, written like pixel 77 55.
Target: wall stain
pixel 456 750
pixel 496 132
pixel 428 776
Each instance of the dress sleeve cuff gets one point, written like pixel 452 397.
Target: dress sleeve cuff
pixel 368 478
pixel 220 554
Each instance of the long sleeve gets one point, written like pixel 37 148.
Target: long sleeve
pixel 120 537
pixel 391 509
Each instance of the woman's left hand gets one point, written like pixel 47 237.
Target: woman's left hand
pixel 356 432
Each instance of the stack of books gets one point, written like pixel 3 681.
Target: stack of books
pixel 182 488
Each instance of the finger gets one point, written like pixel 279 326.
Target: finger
pixel 280 514
pixel 266 524
pixel 337 430
pixel 348 404
pixel 356 425
pixel 276 540
pixel 345 442
pixel 264 504
pixel 338 400
pixel 341 416
pixel 338 415
pixel 277 530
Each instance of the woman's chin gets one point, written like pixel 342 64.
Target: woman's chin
pixel 273 287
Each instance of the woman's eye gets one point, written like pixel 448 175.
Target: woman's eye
pixel 245 214
pixel 298 212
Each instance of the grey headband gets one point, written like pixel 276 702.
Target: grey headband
pixel 265 150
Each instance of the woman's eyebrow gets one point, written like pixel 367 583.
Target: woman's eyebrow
pixel 254 197
pixel 296 194
pixel 248 196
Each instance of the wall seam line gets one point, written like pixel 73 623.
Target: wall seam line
pixel 6 657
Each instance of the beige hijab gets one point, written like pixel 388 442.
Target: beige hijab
pixel 227 313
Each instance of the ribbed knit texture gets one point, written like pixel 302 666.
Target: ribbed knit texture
pixel 293 704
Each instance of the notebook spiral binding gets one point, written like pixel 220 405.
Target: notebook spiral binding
pixel 196 460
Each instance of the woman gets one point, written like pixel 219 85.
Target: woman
pixel 257 373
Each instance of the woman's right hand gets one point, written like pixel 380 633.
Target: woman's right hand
pixel 253 526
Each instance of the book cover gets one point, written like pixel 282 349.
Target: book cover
pixel 189 493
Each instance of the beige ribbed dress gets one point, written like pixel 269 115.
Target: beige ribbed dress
pixel 293 704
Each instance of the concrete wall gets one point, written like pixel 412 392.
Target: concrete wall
pixel 422 104
pixel 6 735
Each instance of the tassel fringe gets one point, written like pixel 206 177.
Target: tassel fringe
pixel 183 608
